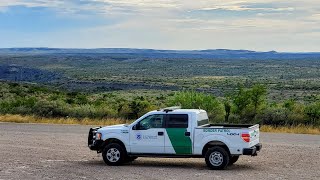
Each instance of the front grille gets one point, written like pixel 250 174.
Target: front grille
pixel 92 135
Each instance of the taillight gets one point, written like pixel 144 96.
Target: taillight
pixel 245 137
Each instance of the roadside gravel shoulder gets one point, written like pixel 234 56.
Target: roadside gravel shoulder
pixel 37 151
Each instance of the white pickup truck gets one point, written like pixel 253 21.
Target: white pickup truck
pixel 175 132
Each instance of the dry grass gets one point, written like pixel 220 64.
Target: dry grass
pixel 85 121
pixel 300 129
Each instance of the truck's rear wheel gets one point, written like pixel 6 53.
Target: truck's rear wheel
pixel 113 154
pixel 217 158
pixel 233 159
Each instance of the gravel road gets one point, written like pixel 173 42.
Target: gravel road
pixel 35 151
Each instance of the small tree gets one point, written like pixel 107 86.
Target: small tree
pixel 313 113
pixel 227 108
pixel 138 107
pixel 289 104
pixel 241 100
pixel 257 93
pixel 248 101
pixel 194 100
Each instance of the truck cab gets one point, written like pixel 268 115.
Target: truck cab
pixel 175 132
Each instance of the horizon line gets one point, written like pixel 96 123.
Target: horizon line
pixel 160 49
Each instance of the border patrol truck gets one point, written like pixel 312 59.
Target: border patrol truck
pixel 174 132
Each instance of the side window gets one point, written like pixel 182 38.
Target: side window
pixel 177 121
pixel 152 121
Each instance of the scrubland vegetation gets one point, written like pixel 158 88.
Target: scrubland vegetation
pixel 285 79
pixel 79 88
pixel 244 105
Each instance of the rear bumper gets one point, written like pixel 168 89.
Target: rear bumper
pixel 253 151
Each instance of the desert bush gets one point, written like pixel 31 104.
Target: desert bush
pixel 47 108
pixel 194 100
pixel 289 113
pixel 273 116
pixel 248 103
pixel 244 106
pixel 313 113
pixel 138 107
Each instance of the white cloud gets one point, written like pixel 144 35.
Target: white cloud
pixel 174 23
pixel 3 9
pixel 244 8
pixel 165 6
pixel 314 17
pixel 31 3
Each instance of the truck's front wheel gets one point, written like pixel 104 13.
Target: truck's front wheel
pixel 217 158
pixel 113 154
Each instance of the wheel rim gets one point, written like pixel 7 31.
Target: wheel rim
pixel 216 158
pixel 113 155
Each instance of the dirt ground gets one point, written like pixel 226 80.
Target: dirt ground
pixel 35 151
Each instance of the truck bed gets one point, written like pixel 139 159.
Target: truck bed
pixel 236 136
pixel 229 126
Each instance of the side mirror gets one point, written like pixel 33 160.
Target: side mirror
pixel 135 127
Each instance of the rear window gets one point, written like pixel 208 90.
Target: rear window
pixel 202 119
pixel 203 122
pixel 177 121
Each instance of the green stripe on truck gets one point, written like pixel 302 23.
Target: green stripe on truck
pixel 181 144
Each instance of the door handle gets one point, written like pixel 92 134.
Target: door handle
pixel 187 133
pixel 160 133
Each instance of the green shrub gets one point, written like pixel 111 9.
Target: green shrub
pixel 195 100
pixel 49 108
pixel 273 116
pixel 245 106
pixel 249 102
pixel 138 107
pixel 313 113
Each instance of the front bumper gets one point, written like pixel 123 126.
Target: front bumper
pixel 94 144
pixel 253 151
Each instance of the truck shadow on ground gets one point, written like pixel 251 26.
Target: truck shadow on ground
pixel 163 163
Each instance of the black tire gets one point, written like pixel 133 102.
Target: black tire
pixel 114 154
pixel 233 159
pixel 217 158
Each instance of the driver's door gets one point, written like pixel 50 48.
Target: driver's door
pixel 147 136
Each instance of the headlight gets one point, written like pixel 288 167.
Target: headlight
pixel 98 136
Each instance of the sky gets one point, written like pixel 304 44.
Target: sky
pixel 261 25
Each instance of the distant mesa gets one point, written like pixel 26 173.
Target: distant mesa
pixel 155 53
